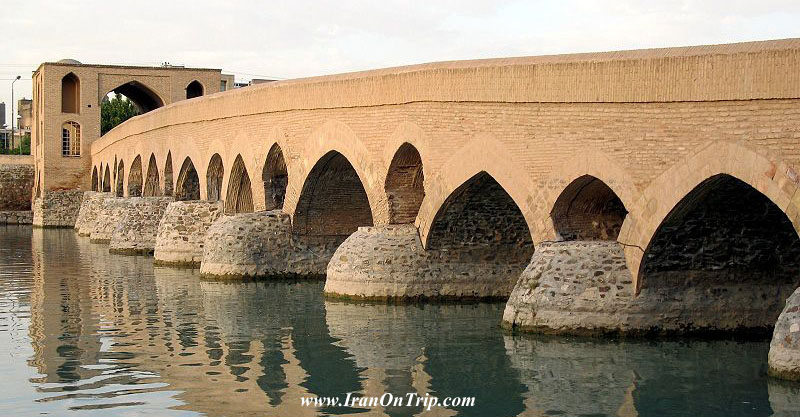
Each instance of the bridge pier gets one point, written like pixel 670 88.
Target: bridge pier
pixel 57 208
pixel 784 350
pixel 182 232
pixel 87 214
pixel 135 233
pixel 109 211
pixel 262 245
pixel 389 262
pixel 585 287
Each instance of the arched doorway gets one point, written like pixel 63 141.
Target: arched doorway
pixel 194 89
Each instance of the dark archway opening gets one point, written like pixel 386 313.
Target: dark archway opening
pixel 135 178
pixel 239 198
pixel 188 186
pixel 152 185
pixel 275 177
pixel 168 176
pixel 588 210
pixel 126 101
pixel 333 201
pixel 107 180
pixel 120 187
pixel 94 179
pixel 214 176
pixel 405 185
pixel 194 89
pixel 726 254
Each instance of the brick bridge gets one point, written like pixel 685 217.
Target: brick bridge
pixel 658 187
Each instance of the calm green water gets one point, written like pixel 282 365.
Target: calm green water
pixel 83 332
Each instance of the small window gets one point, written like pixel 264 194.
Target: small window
pixel 71 139
pixel 194 89
pixel 223 85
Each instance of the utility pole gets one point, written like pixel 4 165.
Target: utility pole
pixel 14 116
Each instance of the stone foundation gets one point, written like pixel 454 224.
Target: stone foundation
pixel 784 350
pixel 87 215
pixel 57 208
pixel 137 229
pixel 16 217
pixel 390 263
pixel 182 232
pixel 261 245
pixel 109 213
pixel 584 287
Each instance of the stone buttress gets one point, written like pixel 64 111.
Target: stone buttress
pixel 87 215
pixel 182 232
pixel 136 231
pixel 262 245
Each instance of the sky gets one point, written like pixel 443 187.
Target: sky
pixel 290 39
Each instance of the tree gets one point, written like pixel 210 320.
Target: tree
pixel 115 111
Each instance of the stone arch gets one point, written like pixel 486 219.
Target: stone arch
pixel 214 175
pixel 188 185
pixel 152 186
pixel 479 213
pixel 107 180
pixel 143 97
pixel 334 136
pixel 168 184
pixel 405 185
pixel 774 179
pixel 588 209
pixel 333 201
pixel 275 176
pixel 239 198
pixel 70 94
pixel 135 178
pixel 729 245
pixel 94 179
pixel 194 89
pixel 484 154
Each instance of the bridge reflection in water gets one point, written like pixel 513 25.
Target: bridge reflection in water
pixel 110 331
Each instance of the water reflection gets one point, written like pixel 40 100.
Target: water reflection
pixel 89 331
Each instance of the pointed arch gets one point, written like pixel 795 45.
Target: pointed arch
pixel 404 185
pixel 70 94
pixel 275 177
pixel 168 184
pixel 194 89
pixel 188 185
pixel 152 187
pixel 107 180
pixel 214 176
pixel 333 201
pixel 143 97
pixel 94 179
pixel 588 209
pixel 120 186
pixel 135 178
pixel 239 198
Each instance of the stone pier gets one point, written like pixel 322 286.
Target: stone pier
pixel 87 215
pixel 107 218
pixel 784 350
pixel 182 232
pixel 137 229
pixel 389 263
pixel 262 245
pixel 585 287
pixel 57 208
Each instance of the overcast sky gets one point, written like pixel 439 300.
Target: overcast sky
pixel 302 38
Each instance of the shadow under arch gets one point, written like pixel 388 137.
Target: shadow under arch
pixel 119 189
pixel 188 185
pixel 94 179
pixel 275 177
pixel 405 185
pixel 333 200
pixel 135 178
pixel 588 209
pixel 107 180
pixel 143 97
pixel 152 186
pixel 214 176
pixel 168 179
pixel 239 197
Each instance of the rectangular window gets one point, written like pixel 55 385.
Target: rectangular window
pixel 71 139
pixel 223 85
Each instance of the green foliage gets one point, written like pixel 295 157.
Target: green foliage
pixel 115 111
pixel 26 147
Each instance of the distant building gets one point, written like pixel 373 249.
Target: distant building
pixel 24 114
pixel 2 114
